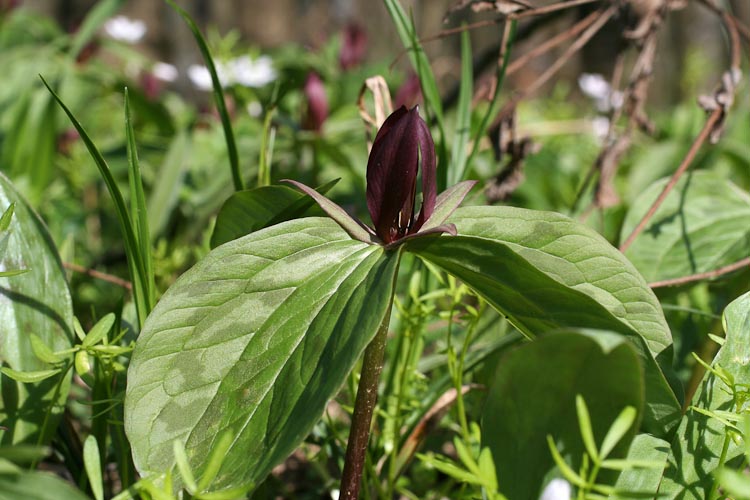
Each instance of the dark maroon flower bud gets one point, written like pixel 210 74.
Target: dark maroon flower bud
pixel 353 46
pixel 317 103
pixel 409 94
pixel 402 145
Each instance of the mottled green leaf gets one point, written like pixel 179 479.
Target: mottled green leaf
pixel 702 225
pixel 546 272
pixel 642 482
pixel 37 302
pixel 699 441
pixel 534 395
pixel 254 340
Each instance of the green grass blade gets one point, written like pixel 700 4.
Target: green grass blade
pixel 138 212
pixel 101 12
pixel 135 264
pixel 494 104
pixel 463 117
pixel 234 162
pixel 407 32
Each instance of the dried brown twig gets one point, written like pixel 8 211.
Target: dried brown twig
pixel 718 105
pixel 736 266
pixel 98 275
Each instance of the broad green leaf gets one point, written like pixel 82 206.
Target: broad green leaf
pixel 699 441
pixel 642 482
pixel 253 341
pixel 546 272
pixel 534 395
pixel 37 486
pixel 37 302
pixel 702 225
pixel 253 209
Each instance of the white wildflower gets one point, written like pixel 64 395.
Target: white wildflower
pixel 165 72
pixel 201 77
pixel 252 73
pixel 125 29
pixel 597 88
pixel 557 489
pixel 600 127
pixel 254 109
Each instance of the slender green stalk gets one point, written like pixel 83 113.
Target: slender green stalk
pixel 364 407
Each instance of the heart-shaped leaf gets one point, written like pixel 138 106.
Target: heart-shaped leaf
pixel 545 272
pixel 36 302
pixel 702 225
pixel 534 395
pixel 253 341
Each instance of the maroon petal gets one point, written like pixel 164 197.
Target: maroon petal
pixel 429 174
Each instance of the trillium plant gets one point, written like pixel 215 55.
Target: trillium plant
pixel 242 354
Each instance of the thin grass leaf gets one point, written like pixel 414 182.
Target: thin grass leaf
pixel 221 106
pixel 215 460
pixel 93 464
pixel 135 263
pixel 495 102
pixel 183 467
pixel 13 272
pixel 584 424
pixel 617 431
pixel 463 116
pixel 7 216
pixel 138 212
pixel 565 469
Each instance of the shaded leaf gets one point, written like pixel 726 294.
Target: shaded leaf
pixel 643 482
pixel 698 444
pixel 253 209
pixel 546 272
pixel 38 486
pixel 275 320
pixel 534 395
pixel 702 225
pixel 37 302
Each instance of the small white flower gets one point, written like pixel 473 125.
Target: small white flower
pixel 594 85
pixel 125 29
pixel 252 73
pixel 201 77
pixel 165 72
pixel 255 109
pixel 557 489
pixel 600 127
pixel 335 494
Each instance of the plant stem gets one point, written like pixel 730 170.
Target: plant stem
pixel 364 407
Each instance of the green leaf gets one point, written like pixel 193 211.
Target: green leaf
pixel 702 225
pixel 139 216
pixel 93 464
pixel 37 486
pixel 166 189
pixel 221 106
pixel 7 216
pixel 546 272
pixel 138 273
pixel 253 209
pixel 463 115
pixel 619 428
pixel 735 483
pixel 643 482
pixel 584 425
pixel 533 395
pixel 37 302
pixel 699 441
pixel 275 321
pixel 184 467
pixel 29 377
pixel 99 330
